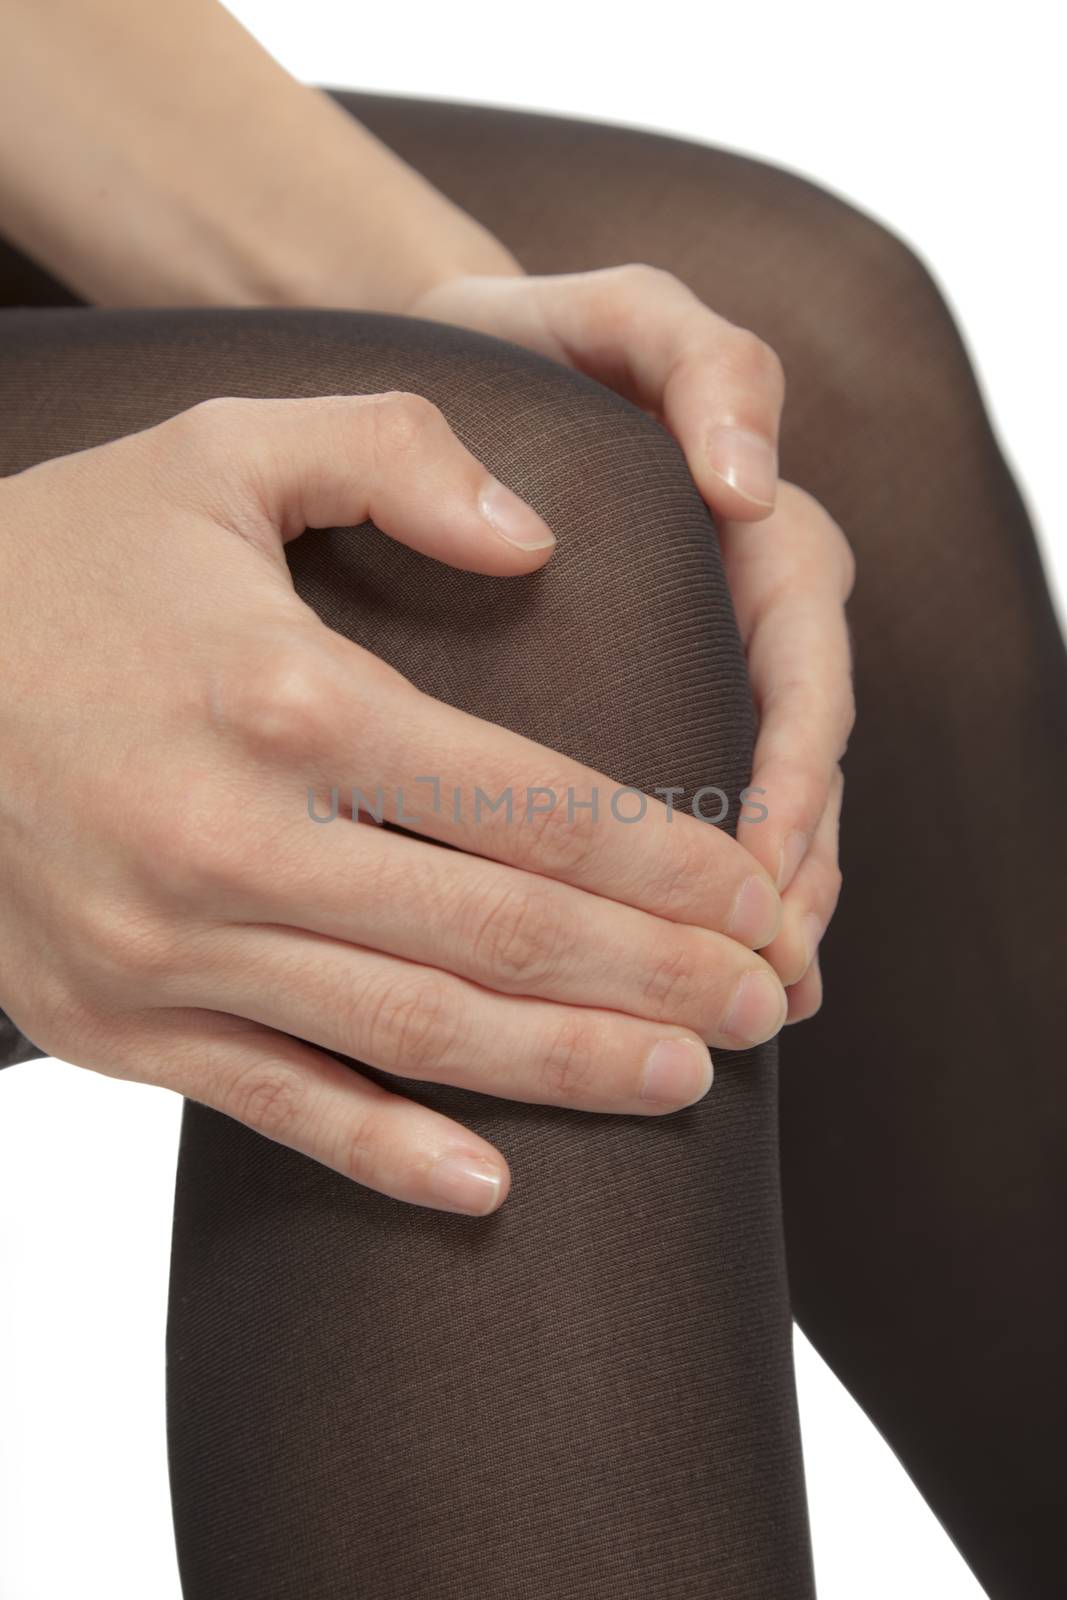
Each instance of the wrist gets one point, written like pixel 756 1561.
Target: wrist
pixel 336 264
pixel 323 216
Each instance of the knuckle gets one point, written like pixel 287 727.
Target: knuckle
pixel 626 301
pixel 408 1026
pixel 570 1064
pixel 268 1097
pixel 359 1147
pixel 127 948
pixel 207 418
pixel 520 935
pixel 278 706
pixel 754 360
pixel 218 411
pixel 640 273
pixel 194 851
pixel 89 1037
pixel 669 981
pixel 218 461
pixel 209 861
pixel 210 428
pixel 694 867
pixel 211 864
pixel 400 422
pixel 70 1018
pixel 561 841
pixel 791 691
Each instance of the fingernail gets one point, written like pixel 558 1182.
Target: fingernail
pixel 756 913
pixel 747 462
pixel 513 519
pixel 790 856
pixel 758 1009
pixel 466 1183
pixel 678 1072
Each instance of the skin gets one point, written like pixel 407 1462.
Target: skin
pixel 146 154
pixel 645 334
pixel 178 943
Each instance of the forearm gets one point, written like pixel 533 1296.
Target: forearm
pixel 153 154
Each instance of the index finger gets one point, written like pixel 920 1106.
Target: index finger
pixel 409 759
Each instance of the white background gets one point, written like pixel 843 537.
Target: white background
pixel 943 120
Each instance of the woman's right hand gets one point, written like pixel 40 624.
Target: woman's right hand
pixel 171 912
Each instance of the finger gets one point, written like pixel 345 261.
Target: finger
pixel 811 899
pixel 511 931
pixel 719 388
pixel 806 996
pixel 493 793
pixel 303 713
pixel 789 588
pixel 283 1089
pixel 277 467
pixel 431 1026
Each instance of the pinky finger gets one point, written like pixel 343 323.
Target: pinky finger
pixel 302 1098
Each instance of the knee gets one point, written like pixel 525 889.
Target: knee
pixel 611 481
pixel 622 652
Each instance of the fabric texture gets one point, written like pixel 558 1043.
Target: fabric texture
pixel 591 1393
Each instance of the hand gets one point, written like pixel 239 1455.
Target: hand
pixel 170 913
pixel 789 588
pixel 720 389
pixel 639 330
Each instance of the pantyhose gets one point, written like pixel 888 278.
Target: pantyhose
pixel 590 1394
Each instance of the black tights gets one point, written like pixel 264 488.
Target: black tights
pixel 590 1394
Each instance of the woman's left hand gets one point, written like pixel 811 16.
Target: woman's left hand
pixel 719 389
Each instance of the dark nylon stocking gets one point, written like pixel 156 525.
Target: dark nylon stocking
pixel 590 1394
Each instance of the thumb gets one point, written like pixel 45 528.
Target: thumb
pixel 340 460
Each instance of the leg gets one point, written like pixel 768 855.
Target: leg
pixel 924 1137
pixel 590 1394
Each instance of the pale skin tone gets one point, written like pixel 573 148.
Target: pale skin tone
pixel 150 152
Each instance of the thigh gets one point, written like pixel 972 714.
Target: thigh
pixel 588 1394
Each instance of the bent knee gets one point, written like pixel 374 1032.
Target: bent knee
pixel 622 651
